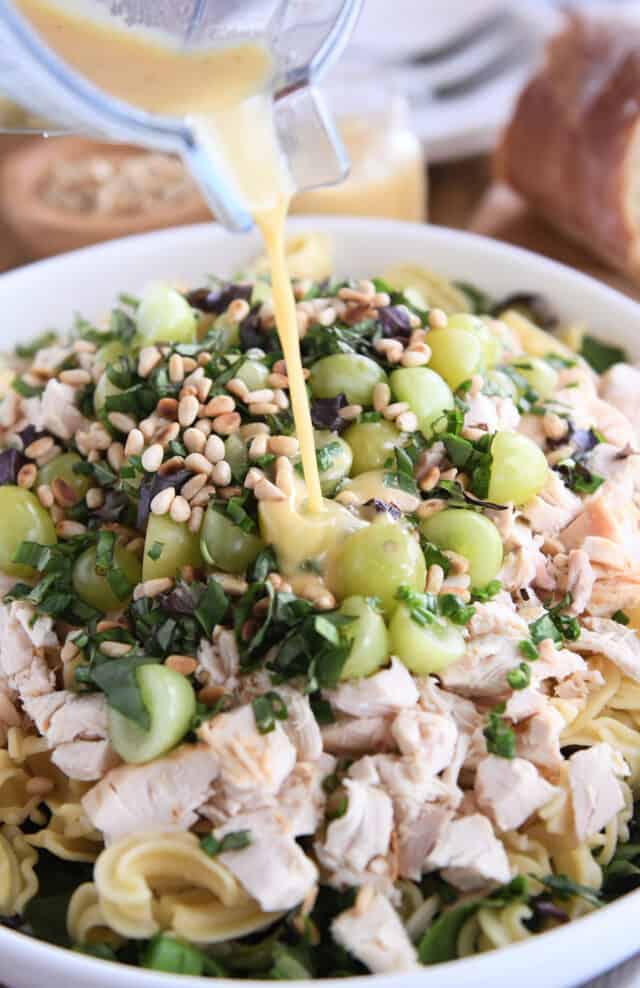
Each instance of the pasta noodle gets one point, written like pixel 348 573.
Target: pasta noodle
pixel 154 881
pixel 16 804
pixel 18 880
pixel 69 835
pixel 489 929
pixel 85 921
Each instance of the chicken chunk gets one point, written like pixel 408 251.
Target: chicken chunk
pixel 596 792
pixel 63 716
pixel 361 834
pixel 431 737
pixel 301 727
pixel 219 660
pixel 85 761
pixel 252 765
pixel 470 855
pixel 553 508
pixel 555 663
pixel 482 672
pixel 372 931
pixel 620 386
pixel 538 738
pixel 21 633
pixel 376 696
pixel 162 795
pixel 509 791
pixel 613 640
pixel 580 578
pixel 302 799
pixel 418 829
pixel 56 411
pixel 352 736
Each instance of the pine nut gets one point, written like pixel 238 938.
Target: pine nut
pixel 203 388
pixel 64 494
pixel 193 378
pixel 281 399
pixel 435 578
pixel 27 475
pixel 76 377
pixel 115 649
pixel 220 405
pixel 554 427
pixel 45 495
pixel 350 412
pixel 209 695
pixel 69 651
pixel 252 477
pixel 238 388
pixel 203 496
pixel 214 449
pixel 188 410
pixel 115 456
pixel 148 426
pixel 194 440
pixel 258 447
pixel 204 426
pixel 397 408
pixel 134 444
pixel 197 517
pixel 67 529
pixel 438 319
pixel 225 425
pixel 49 455
pixel 57 513
pixel 264 490
pixel 381 396
pixel 415 358
pixel 152 458
pixel 184 664
pixel 166 433
pixel 148 359
pixel 121 422
pixel 176 368
pixel 151 588
pixel 167 408
pixel 221 474
pixel 180 510
pixel 252 429
pixel 39 447
pixel 427 508
pixel 238 309
pixel 198 463
pixel 407 422
pixel 260 395
pixel 162 501
pixel 278 380
pixel 84 346
pixel 191 488
pixel 233 585
pixel 284 475
pixel 264 408
pixel 417 337
pixel 430 479
pixel 348 498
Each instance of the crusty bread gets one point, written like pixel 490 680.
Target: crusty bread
pixel 572 148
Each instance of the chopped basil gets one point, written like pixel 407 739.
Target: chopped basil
pixel 235 840
pixel 500 737
pixel 326 455
pixel 267 709
pixel 528 650
pixel 621 617
pixel 555 625
pixel 433 556
pixel 481 595
pixel 26 351
pixel 427 608
pixel 156 550
pixel 175 956
pixel 105 548
pixel 563 887
pixel 520 677
pixel 601 355
pixel 117 680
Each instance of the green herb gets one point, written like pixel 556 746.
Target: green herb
pixel 322 709
pixel 264 563
pixel 558 362
pixel 433 556
pixel 454 608
pixel 338 808
pixel 480 303
pixel 578 477
pixel 235 840
pixel 156 550
pixel 326 455
pixel 473 457
pixel 105 548
pixel 483 594
pixel 267 709
pixel 601 355
pixel 287 965
pixel 26 351
pixel 238 515
pixel 119 583
pixel 26 390
pixel 555 625
pixel 174 956
pixel 371 417
pixel 427 608
pixel 563 887
pixel 500 737
pixel 402 476
pixel 621 617
pixel 212 606
pixel 131 300
pixel 520 677
pixel 528 650
pixel 117 680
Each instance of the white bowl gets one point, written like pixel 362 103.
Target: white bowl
pixel 47 294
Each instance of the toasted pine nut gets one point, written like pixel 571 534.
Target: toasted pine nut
pixel 407 422
pixel 214 449
pixel 258 447
pixel 188 409
pixel 197 517
pixel 350 412
pixel 194 440
pixel 237 387
pixel 198 463
pixel 284 475
pixel 167 408
pixel 381 396
pixel 252 429
pixel 252 477
pixel 204 426
pixel 45 495
pixel 162 501
pixel 397 408
pixel 238 309
pixel 151 588
pixel 203 496
pixel 227 424
pixel 415 358
pixel 115 456
pixel 260 395
pixel 435 578
pixel 427 508
pixel 76 377
pixel 115 649
pixel 39 447
pixel 184 664
pixel 134 444
pixel 67 529
pixel 220 405
pixel 152 457
pixel 278 381
pixel 176 368
pixel 221 474
pixel 264 490
pixel 64 494
pixel 27 475
pixel 191 488
pixel 148 358
pixel 180 510
pixel 284 445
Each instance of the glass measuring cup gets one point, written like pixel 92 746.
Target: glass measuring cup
pixel 303 37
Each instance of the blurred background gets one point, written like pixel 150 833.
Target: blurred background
pixel 422 94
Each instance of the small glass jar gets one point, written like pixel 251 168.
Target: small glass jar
pixel 388 176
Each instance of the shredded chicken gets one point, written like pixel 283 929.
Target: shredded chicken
pixel 510 790
pixel 596 792
pixel 377 695
pixel 602 636
pixel 470 855
pixel 373 932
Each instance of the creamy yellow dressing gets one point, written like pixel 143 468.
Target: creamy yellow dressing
pixel 225 94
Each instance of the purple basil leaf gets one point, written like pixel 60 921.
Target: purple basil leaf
pixel 114 507
pixel 11 461
pixel 252 334
pixel 324 413
pixel 149 489
pixel 217 301
pixel 584 440
pixel 383 507
pixel 183 599
pixel 544 907
pixel 395 322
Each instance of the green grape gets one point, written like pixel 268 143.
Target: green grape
pixel 338 459
pixel 425 649
pixel 491 343
pixel 93 588
pixel 456 355
pixel 350 374
pixel 253 373
pixel 224 544
pixel 180 548
pixel 371 486
pixel 171 704
pixel 376 560
pixel 426 393
pixel 497 382
pixel 110 352
pixel 539 374
pixel 227 332
pixel 471 535
pixel 164 314
pixel 25 520
pixel 104 389
pixel 235 453
pixel 62 467
pixel 372 443
pixel 368 635
pixel 519 469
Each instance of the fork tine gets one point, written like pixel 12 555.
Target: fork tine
pixel 458 42
pixel 491 70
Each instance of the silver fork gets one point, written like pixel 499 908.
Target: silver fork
pixel 469 59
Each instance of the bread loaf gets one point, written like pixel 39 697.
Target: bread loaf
pixel 572 148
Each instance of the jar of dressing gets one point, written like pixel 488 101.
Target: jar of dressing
pixel 388 175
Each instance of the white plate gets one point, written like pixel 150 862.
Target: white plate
pixel 469 124
pixel 47 294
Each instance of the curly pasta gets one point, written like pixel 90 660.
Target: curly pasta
pixel 85 920
pixel 16 802
pixel 69 835
pixel 157 881
pixel 18 880
pixel 489 929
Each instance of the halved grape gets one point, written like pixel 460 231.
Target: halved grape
pixel 179 547
pixel 425 649
pixel 426 393
pixel 224 544
pixel 519 469
pixel 376 560
pixel 171 703
pixel 104 389
pixel 235 453
pixel 369 637
pixel 456 354
pixel 542 377
pixel 351 374
pixel 253 373
pixel 110 352
pixel 227 331
pixel 23 520
pixel 93 588
pixel 335 464
pixel 62 467
pixel 372 443
pixel 491 343
pixel 470 534
pixel 164 314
